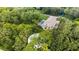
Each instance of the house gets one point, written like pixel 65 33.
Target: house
pixel 50 23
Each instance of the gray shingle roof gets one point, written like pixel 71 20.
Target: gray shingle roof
pixel 50 23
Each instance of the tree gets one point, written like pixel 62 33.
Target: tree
pixel 14 37
pixel 61 35
pixel 24 31
pixel 36 46
pixel 7 36
pixel 72 13
pixel 56 11
pixel 21 15
pixel 42 43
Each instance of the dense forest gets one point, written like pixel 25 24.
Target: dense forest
pixel 17 24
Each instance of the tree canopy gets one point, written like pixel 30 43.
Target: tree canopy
pixel 17 24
